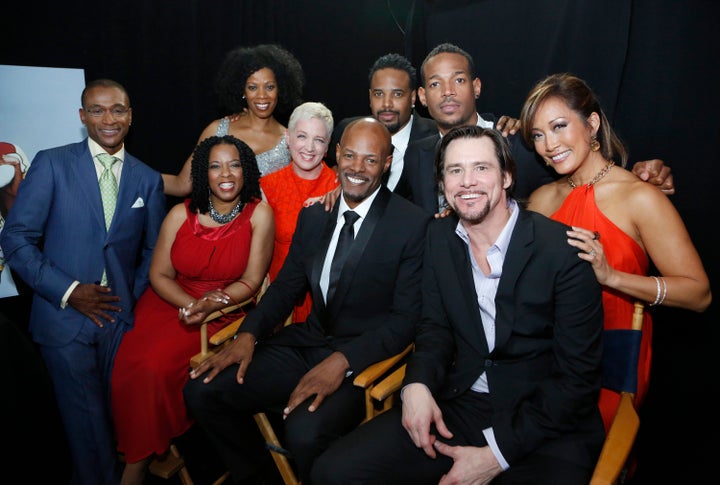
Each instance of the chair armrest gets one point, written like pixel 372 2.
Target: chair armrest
pixel 227 332
pixel 388 386
pixel 375 371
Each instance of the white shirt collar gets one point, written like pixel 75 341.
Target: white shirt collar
pixel 481 123
pixel 401 139
pixel 96 149
pixel 362 208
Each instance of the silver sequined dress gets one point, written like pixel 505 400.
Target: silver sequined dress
pixel 269 161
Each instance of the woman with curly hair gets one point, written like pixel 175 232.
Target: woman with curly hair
pixel 255 86
pixel 213 250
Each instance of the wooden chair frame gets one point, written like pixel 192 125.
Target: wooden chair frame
pixel 280 455
pixel 610 468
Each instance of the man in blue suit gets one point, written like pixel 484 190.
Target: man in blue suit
pixel 59 242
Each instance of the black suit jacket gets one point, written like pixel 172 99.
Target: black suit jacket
pixel 421 127
pixel 377 300
pixel 419 170
pixel 544 372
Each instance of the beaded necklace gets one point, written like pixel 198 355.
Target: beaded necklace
pixel 224 218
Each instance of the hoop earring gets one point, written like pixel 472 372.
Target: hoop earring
pixel 594 144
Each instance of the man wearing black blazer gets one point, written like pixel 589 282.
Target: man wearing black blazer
pixel 449 89
pixel 305 369
pixel 392 92
pixel 504 380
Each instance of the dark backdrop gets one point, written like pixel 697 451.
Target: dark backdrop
pixel 653 63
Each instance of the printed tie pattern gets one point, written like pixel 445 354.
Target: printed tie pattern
pixel 345 240
pixel 108 193
pixel 108 187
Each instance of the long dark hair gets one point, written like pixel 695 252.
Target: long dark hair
pixel 575 93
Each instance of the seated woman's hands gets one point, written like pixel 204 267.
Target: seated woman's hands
pixel 197 311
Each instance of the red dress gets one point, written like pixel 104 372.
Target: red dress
pixel 624 254
pixel 286 192
pixel 151 366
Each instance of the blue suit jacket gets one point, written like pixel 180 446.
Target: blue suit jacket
pixel 55 234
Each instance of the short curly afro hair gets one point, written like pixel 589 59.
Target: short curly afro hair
pixel 199 172
pixel 240 63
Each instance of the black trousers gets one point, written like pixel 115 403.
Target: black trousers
pixel 380 452
pixel 223 409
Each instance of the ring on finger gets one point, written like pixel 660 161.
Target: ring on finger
pixel 591 253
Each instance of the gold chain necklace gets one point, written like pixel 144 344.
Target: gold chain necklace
pixel 596 178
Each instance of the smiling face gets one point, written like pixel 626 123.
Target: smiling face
pixel 561 136
pixel 449 91
pixel 308 143
pixel 112 125
pixel 261 93
pixel 225 176
pixel 363 155
pixel 472 180
pixel 391 98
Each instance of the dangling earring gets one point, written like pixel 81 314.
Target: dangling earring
pixel 243 96
pixel 594 144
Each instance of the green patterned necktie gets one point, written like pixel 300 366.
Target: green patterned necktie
pixel 108 192
pixel 108 187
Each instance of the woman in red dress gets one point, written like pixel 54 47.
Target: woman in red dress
pixel 213 250
pixel 307 176
pixel 619 221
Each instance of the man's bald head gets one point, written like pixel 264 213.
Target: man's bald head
pixel 363 155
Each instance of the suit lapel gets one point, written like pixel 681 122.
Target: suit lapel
pixel 358 248
pixel 458 251
pixel 517 257
pixel 317 264
pixel 84 172
pixel 126 189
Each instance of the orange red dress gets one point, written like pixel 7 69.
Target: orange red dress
pixel 622 253
pixel 151 366
pixel 286 193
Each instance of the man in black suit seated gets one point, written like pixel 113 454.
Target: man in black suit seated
pixel 365 315
pixel 392 92
pixel 504 380
pixel 449 89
